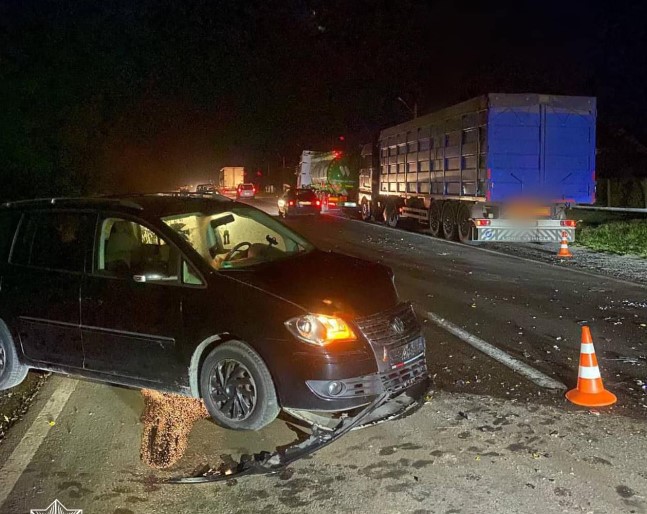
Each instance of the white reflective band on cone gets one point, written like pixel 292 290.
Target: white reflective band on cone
pixel 589 372
pixel 587 348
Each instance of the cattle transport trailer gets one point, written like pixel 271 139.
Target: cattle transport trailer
pixel 499 167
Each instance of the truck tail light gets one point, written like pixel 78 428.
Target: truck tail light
pixel 568 223
pixel 482 223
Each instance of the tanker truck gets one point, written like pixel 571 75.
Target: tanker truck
pixel 331 175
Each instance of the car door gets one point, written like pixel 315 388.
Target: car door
pixel 42 285
pixel 131 303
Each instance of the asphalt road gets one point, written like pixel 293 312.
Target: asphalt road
pixel 490 440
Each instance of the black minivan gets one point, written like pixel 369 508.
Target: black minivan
pixel 205 297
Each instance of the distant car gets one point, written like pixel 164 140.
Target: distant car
pixel 206 188
pixel 204 297
pixel 299 201
pixel 245 191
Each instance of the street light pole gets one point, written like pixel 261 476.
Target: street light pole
pixel 413 111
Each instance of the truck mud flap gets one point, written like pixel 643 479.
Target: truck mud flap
pixel 268 463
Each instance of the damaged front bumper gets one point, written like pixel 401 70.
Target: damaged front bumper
pixel 387 406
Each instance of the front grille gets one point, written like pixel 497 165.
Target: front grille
pixel 381 329
pixel 403 377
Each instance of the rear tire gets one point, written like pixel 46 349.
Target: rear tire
pixel 366 210
pixel 435 219
pixel 449 221
pixel 392 217
pixel 464 224
pixel 12 371
pixel 237 388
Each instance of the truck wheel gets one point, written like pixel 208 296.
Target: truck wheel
pixel 464 224
pixel 12 371
pixel 237 388
pixel 435 223
pixel 392 217
pixel 449 221
pixel 366 210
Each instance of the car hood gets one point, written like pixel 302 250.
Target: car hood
pixel 326 283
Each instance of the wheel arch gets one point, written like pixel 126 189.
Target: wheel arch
pixel 200 352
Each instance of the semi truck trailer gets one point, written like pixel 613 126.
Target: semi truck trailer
pixel 499 167
pixel 229 178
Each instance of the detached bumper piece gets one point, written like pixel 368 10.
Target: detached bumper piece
pixel 383 408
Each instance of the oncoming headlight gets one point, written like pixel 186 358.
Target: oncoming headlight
pixel 320 329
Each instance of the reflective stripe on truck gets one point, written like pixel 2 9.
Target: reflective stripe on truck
pixel 541 231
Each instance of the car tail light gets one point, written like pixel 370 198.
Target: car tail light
pixel 240 189
pixel 568 223
pixel 483 223
pixel 318 203
pixel 253 189
pixel 291 202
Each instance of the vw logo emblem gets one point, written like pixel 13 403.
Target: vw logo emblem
pixel 397 325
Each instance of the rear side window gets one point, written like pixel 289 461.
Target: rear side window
pixel 8 222
pixel 53 240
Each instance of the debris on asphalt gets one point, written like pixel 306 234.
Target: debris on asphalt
pixel 168 420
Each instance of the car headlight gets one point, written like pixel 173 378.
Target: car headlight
pixel 320 329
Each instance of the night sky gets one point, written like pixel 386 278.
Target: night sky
pixel 147 95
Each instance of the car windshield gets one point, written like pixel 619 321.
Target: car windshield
pixel 238 238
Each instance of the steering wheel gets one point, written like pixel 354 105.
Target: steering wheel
pixel 236 249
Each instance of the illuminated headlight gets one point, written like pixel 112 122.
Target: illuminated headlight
pixel 320 329
pixel 281 202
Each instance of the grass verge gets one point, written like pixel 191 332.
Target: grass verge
pixel 622 237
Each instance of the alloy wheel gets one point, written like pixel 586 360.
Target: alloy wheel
pixel 232 389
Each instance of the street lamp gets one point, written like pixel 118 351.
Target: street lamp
pixel 413 111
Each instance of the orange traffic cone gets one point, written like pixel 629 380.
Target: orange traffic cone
pixel 563 247
pixel 589 391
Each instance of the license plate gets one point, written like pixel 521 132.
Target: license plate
pixel 301 204
pixel 407 352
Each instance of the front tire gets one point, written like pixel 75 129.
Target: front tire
pixel 237 388
pixel 12 371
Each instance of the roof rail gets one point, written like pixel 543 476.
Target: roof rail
pixel 64 199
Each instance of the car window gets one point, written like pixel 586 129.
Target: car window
pixel 8 222
pixel 237 238
pixel 306 196
pixel 53 240
pixel 126 248
pixel 247 187
pixel 189 275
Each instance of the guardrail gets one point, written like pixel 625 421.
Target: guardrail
pixel 610 209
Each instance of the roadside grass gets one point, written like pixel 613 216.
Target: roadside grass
pixel 621 237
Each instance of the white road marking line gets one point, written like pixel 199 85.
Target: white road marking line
pixel 22 454
pixel 532 374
